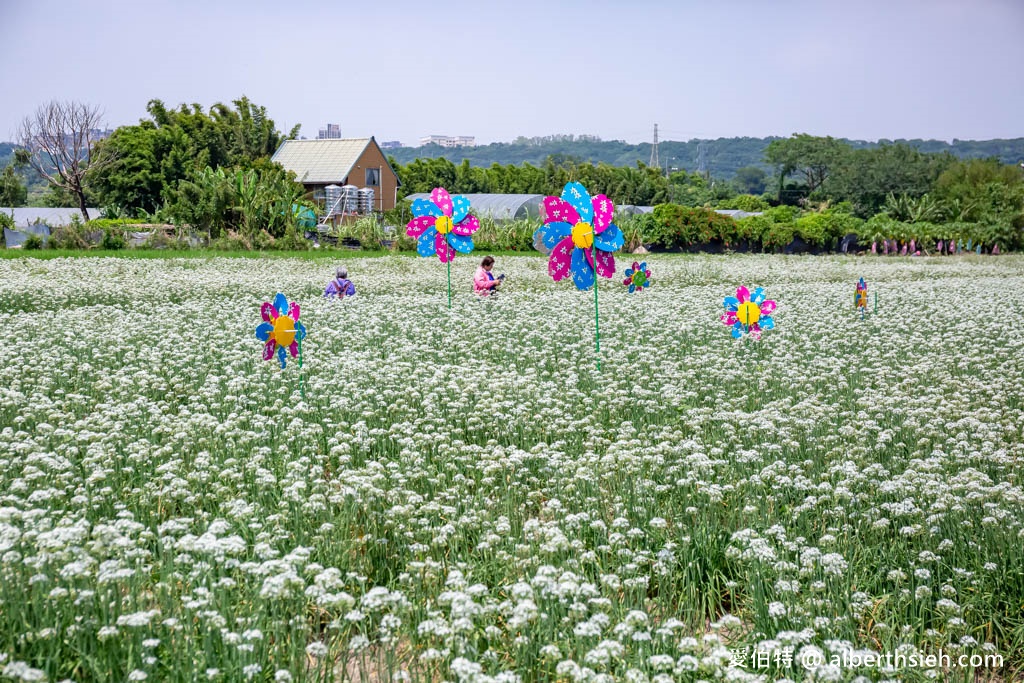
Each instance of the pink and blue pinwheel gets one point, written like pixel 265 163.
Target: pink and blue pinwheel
pixel 280 329
pixel 442 225
pixel 749 313
pixel 577 232
pixel 637 277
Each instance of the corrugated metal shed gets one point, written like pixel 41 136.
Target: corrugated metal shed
pixel 500 207
pixel 54 217
pixel 316 162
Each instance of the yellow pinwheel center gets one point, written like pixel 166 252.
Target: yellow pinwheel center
pixel 583 235
pixel 443 224
pixel 748 313
pixel 284 330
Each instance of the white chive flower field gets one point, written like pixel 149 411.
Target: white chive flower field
pixel 459 495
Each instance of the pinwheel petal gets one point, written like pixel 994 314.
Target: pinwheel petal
pixel 267 312
pixel 263 331
pixel 632 288
pixel 729 318
pixel 417 226
pixel 611 239
pixel 443 200
pixel 768 307
pixel 281 304
pixel 628 280
pixel 557 210
pixel 293 310
pixel 742 294
pixel 467 227
pixel 578 197
pixel 281 356
pixel 460 243
pixel 629 272
pixel 758 296
pixel 553 233
pixel 642 266
pixel 604 210
pixel 268 349
pixel 605 264
pixel 426 241
pixel 444 252
pixel 425 207
pixel 766 322
pixel 293 349
pixel 582 271
pixel 560 261
pixel 460 208
pixel 732 303
pixel 736 332
pixel 300 331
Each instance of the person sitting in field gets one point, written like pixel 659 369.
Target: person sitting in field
pixel 340 286
pixel 484 282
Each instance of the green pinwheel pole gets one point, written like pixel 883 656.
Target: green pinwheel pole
pixel 302 384
pixel 597 327
pixel 449 279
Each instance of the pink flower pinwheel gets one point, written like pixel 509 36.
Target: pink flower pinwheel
pixel 442 225
pixel 579 235
pixel 748 313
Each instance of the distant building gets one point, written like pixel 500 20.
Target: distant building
pixel 390 144
pixel 331 132
pixel 348 166
pixel 449 140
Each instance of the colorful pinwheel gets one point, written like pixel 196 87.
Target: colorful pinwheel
pixel 748 313
pixel 280 329
pixel 442 225
pixel 578 231
pixel 860 297
pixel 637 277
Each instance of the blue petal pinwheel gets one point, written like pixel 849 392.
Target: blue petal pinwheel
pixel 579 235
pixel 280 329
pixel 442 225
pixel 749 313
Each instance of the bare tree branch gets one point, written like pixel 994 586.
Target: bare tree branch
pixel 59 137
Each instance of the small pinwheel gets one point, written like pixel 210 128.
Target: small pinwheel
pixel 748 313
pixel 637 277
pixel 442 225
pixel 860 297
pixel 577 232
pixel 280 329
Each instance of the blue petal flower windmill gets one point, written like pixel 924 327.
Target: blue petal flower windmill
pixel 580 239
pixel 442 225
pixel 637 277
pixel 282 332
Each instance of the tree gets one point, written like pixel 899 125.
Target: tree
pixel 60 138
pixel 12 191
pixel 811 158
pixel 750 180
pixel 173 145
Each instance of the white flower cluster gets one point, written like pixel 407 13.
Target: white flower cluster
pixel 461 496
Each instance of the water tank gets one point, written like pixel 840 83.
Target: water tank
pixel 350 194
pixel 332 200
pixel 366 200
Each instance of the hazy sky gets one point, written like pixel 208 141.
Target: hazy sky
pixel 400 70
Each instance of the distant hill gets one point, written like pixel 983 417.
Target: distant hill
pixel 722 157
pixel 7 153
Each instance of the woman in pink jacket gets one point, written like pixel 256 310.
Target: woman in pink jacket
pixel 484 282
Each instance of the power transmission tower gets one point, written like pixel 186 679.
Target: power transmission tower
pixel 702 161
pixel 654 150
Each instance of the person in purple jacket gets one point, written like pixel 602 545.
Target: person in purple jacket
pixel 340 286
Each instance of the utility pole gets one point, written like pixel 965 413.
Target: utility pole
pixel 654 150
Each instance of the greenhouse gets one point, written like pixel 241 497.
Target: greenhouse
pixel 500 207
